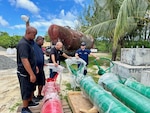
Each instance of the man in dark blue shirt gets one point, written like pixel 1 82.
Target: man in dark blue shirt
pixel 83 53
pixel 40 64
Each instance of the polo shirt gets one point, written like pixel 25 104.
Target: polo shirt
pixel 25 50
pixel 39 55
pixel 83 54
pixel 57 54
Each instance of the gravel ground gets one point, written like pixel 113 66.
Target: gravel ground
pixel 7 63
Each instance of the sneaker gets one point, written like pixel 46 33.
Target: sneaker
pixel 26 110
pixel 35 99
pixel 40 97
pixel 32 103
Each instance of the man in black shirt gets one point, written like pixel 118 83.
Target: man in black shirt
pixel 26 67
pixel 55 54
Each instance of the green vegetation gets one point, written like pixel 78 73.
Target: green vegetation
pixel 92 69
pixel 8 41
pixel 11 41
pixel 104 46
pixel 119 21
pixel 13 108
pixel 47 38
pixel 139 44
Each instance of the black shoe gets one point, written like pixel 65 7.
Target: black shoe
pixel 40 97
pixel 36 99
pixel 26 110
pixel 32 103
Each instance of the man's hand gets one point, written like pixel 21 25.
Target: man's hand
pixel 69 57
pixel 77 57
pixel 97 58
pixel 37 69
pixel 32 78
pixel 55 64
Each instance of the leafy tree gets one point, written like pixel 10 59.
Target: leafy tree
pixel 47 39
pixel 14 40
pixel 117 19
pixel 8 41
pixel 130 13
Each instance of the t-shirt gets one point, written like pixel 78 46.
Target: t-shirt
pixel 57 54
pixel 39 56
pixel 25 50
pixel 84 54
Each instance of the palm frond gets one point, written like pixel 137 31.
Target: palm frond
pixel 102 29
pixel 129 14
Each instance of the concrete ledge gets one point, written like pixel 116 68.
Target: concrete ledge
pixel 145 78
pixel 126 71
pixel 135 56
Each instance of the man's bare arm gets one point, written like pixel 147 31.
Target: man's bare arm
pixel 53 60
pixel 28 68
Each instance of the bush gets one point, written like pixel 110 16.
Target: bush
pixel 7 41
pixel 139 44
pixel 104 46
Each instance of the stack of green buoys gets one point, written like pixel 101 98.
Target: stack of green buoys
pixel 104 101
pixel 133 84
pixel 131 98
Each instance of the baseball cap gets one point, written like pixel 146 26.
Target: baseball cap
pixel 83 44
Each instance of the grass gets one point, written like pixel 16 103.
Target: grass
pixel 93 66
pixel 15 106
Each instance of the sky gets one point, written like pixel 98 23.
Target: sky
pixel 42 13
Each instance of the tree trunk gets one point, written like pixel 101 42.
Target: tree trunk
pixel 114 54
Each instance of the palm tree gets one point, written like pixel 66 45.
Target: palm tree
pixel 129 14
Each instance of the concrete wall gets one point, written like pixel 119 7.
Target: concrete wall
pixel 126 71
pixel 135 56
pixel 145 78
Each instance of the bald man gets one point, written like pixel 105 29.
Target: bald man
pixel 55 54
pixel 26 68
pixel 40 76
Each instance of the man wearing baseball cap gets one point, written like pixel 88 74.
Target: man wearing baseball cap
pixel 83 53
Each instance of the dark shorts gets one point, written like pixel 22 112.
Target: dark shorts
pixel 52 74
pixel 26 87
pixel 85 70
pixel 40 78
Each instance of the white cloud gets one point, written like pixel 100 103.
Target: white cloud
pixel 63 19
pixel 63 22
pixel 67 16
pixel 45 24
pixel 12 2
pixel 21 26
pixel 3 22
pixel 25 4
pixel 79 2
